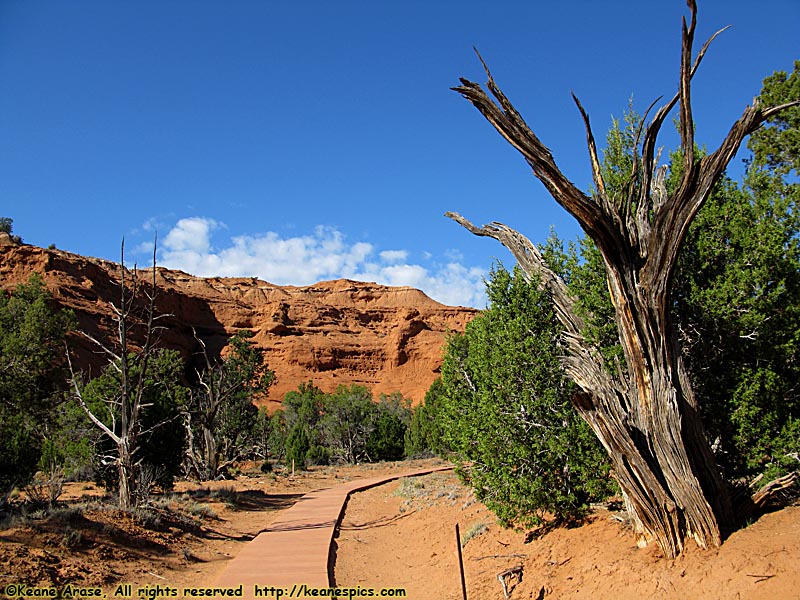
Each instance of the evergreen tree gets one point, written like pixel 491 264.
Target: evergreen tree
pixel 276 440
pixel 71 444
pixel 737 300
pixel 7 226
pixel 506 410
pixel 223 419
pixel 348 419
pixel 32 377
pixel 297 446
pixel 425 433
pixel 303 406
pixel 300 420
pixel 160 440
pixel 386 441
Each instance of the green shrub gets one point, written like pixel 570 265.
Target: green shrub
pixel 32 376
pixel 20 450
pixel 318 455
pixel 297 447
pixel 425 432
pixel 387 440
pixel 507 414
pixel 161 444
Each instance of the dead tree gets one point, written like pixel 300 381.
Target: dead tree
pixel 123 410
pixel 222 415
pixel 215 388
pixel 645 415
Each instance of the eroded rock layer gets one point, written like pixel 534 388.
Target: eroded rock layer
pixel 334 332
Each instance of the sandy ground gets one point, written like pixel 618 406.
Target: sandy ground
pixel 401 534
pixel 185 538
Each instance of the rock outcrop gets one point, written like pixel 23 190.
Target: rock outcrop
pixel 334 332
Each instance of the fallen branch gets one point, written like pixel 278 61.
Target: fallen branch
pixel 766 492
pixel 501 577
pixel 760 578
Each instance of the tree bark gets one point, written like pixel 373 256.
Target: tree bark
pixel 646 417
pixel 211 396
pixel 211 452
pixel 128 404
pixel 126 475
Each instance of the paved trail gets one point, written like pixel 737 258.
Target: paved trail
pixel 295 549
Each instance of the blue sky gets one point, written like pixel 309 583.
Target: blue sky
pixel 309 140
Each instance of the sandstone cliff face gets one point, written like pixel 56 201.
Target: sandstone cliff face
pixel 335 332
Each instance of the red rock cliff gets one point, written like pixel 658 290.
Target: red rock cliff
pixel 334 332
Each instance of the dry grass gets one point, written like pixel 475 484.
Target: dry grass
pixel 425 491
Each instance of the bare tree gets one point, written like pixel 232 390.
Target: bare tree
pixel 645 415
pixel 121 420
pixel 222 414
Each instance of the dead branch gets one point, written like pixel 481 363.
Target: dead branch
pixel 508 573
pixel 760 578
pixel 768 491
pixel 646 416
pixel 477 558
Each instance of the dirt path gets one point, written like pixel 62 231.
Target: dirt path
pixel 295 548
pixel 185 538
pixel 402 535
pixel 396 535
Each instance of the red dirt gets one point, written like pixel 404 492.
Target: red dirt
pixel 391 540
pixel 408 540
pixel 197 536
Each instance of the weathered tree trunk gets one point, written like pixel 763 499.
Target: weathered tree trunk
pixel 211 452
pixel 210 398
pixel 127 404
pixel 126 475
pixel 646 416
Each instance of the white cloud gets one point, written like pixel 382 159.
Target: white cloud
pixel 191 235
pixel 454 255
pixel 302 260
pixel 150 225
pixel 394 256
pixel 144 248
